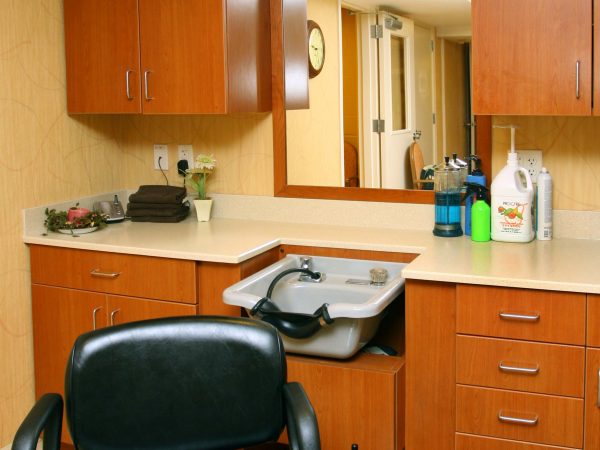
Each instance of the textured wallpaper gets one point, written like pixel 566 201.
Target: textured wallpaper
pixel 48 156
pixel 570 151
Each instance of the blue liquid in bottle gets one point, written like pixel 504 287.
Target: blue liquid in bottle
pixel 447 214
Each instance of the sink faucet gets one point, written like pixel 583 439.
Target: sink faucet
pixel 306 263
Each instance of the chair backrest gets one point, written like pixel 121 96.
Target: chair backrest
pixel 416 164
pixel 350 165
pixel 181 383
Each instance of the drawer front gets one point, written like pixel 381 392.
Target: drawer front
pixel 523 417
pixel 521 366
pixel 114 273
pixel 521 314
pixel 470 442
pixel 593 320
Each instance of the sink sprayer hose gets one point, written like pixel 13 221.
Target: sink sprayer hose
pixel 294 325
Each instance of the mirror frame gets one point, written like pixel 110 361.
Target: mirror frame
pixel 483 140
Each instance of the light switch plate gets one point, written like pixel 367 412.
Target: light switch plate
pixel 161 151
pixel 186 151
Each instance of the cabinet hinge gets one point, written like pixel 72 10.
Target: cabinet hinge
pixel 433 118
pixel 378 125
pixel 376 31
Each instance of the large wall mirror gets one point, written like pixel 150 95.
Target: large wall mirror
pixel 378 96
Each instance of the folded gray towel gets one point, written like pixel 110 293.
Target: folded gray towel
pixel 158 194
pixel 161 219
pixel 158 212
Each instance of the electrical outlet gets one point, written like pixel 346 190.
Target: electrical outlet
pixel 161 151
pixel 532 161
pixel 186 152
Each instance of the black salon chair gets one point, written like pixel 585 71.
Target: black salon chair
pixel 179 383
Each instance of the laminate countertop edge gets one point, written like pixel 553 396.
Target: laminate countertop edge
pixel 561 264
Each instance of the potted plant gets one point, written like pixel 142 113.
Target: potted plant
pixel 195 178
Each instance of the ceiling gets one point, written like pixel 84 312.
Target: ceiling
pixel 452 17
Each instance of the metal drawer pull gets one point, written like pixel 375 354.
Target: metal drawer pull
pixel 598 400
pixel 504 367
pixel 112 316
pixel 127 87
pixel 94 312
pixel 519 317
pixel 577 72
pixel 518 420
pixel 97 273
pixel 146 73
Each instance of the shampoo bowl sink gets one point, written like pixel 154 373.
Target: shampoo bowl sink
pixel 354 305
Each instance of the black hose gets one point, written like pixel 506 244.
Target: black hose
pixel 313 275
pixel 295 325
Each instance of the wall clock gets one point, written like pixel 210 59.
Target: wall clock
pixel 316 49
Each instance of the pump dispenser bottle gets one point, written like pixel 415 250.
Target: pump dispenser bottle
pixel 512 200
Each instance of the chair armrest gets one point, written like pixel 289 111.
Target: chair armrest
pixel 302 427
pixel 46 416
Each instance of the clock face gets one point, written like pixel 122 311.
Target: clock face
pixel 316 49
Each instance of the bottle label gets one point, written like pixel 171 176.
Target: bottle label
pixel 513 217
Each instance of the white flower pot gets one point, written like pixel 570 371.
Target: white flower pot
pixel 203 208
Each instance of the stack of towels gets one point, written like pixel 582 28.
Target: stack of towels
pixel 158 204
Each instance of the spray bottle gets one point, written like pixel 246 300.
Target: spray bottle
pixel 476 176
pixel 512 200
pixel 480 213
pixel 544 205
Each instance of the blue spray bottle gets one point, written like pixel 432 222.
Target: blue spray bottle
pixel 477 177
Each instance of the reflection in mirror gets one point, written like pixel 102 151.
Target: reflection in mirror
pixel 376 97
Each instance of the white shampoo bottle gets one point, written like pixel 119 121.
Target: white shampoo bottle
pixel 512 201
pixel 544 205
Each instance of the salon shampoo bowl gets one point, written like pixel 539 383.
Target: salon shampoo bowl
pixel 356 309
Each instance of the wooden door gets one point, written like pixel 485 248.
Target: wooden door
pixel 592 400
pixel 59 316
pixel 357 402
pixel 525 57
pixel 102 56
pixel 125 309
pixel 183 56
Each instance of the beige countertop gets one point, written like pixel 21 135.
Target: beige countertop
pixel 560 264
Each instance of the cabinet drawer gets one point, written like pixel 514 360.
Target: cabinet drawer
pixel 114 273
pixel 521 314
pixel 554 420
pixel 470 442
pixel 593 320
pixel 521 366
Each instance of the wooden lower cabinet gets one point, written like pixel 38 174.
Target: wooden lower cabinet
pixel 592 399
pixel 60 315
pixel 471 442
pixel 360 401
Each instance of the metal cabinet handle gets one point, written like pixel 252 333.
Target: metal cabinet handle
pixel 519 317
pixel 577 72
pixel 517 420
pixel 94 312
pixel 598 400
pixel 99 274
pixel 127 86
pixel 112 316
pixel 146 94
pixel 504 367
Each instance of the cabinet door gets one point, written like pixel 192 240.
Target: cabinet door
pixel 532 57
pixel 59 316
pixel 124 309
pixel 183 56
pixel 354 404
pixel 592 400
pixel 102 56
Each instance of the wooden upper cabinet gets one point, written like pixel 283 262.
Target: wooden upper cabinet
pixel 192 57
pixel 102 56
pixel 532 57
